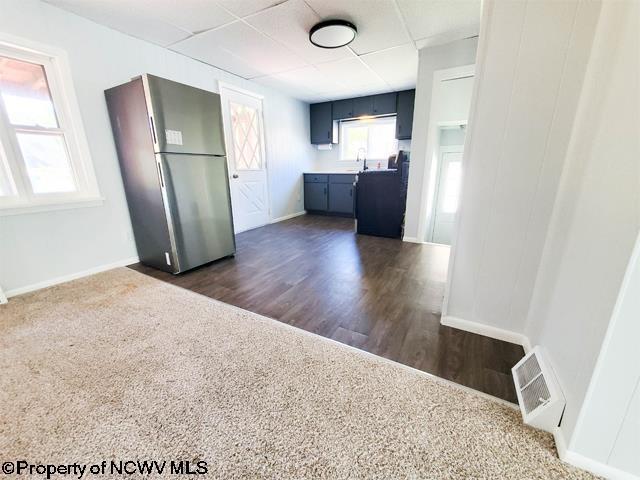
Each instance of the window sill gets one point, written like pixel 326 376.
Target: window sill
pixel 51 206
pixel 369 160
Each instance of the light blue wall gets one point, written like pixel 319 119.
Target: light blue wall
pixel 39 247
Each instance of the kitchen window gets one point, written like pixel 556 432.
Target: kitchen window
pixel 44 158
pixel 373 137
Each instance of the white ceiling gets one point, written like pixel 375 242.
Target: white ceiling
pixel 267 40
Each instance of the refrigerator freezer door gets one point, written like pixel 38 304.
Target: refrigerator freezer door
pixel 184 119
pixel 199 204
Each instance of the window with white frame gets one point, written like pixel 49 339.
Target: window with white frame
pixel 373 137
pixel 44 159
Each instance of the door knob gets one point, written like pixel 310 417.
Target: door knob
pixel 235 175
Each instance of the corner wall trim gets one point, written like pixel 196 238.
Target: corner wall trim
pixel 287 217
pixel 487 331
pixel 586 463
pixel 72 276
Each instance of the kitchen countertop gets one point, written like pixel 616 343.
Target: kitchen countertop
pixel 347 172
pixel 333 172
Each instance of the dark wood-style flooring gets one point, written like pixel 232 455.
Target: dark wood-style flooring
pixel 377 294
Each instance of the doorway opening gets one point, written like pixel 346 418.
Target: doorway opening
pixel 451 102
pixel 448 183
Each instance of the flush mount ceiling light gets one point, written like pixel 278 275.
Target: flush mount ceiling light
pixel 333 34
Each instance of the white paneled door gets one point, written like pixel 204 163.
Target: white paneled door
pixel 244 135
pixel 447 194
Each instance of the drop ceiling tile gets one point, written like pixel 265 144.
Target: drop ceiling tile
pixel 349 73
pixel 247 7
pixel 378 22
pixel 126 17
pixel 290 23
pixel 285 87
pixel 263 55
pixel 303 79
pixel 439 17
pixel 192 15
pixel 447 37
pixel 360 91
pixel 397 66
pixel 405 85
pixel 195 47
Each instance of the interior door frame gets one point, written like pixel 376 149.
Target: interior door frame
pixel 425 208
pixel 431 224
pixel 230 87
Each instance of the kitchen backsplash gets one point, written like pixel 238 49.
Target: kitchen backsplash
pixel 330 159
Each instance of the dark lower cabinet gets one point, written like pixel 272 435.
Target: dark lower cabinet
pixel 341 198
pixel 316 196
pixel 331 194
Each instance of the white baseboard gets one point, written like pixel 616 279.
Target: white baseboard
pixel 287 217
pixel 72 276
pixel 411 240
pixel 415 240
pixel 487 331
pixel 586 463
pixel 561 445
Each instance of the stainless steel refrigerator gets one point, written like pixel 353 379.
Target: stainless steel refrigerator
pixel 170 143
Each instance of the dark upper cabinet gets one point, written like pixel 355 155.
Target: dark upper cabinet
pixel 321 123
pixel 324 115
pixel 343 109
pixel 384 104
pixel 362 106
pixel 404 118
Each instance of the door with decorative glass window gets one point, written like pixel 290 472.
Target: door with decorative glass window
pixel 244 135
pixel 447 194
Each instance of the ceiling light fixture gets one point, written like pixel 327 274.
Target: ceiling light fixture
pixel 333 34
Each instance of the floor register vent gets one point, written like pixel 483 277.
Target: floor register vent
pixel 539 396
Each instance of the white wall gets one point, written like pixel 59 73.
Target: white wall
pixel 39 247
pixel 551 208
pixel 289 152
pixel 608 428
pixel 596 218
pixel 531 62
pixel 451 136
pixel 454 54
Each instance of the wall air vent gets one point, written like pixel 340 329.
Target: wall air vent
pixel 539 395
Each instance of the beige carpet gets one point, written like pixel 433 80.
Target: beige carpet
pixel 121 366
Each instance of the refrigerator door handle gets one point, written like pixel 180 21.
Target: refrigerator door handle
pixel 153 130
pixel 160 174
